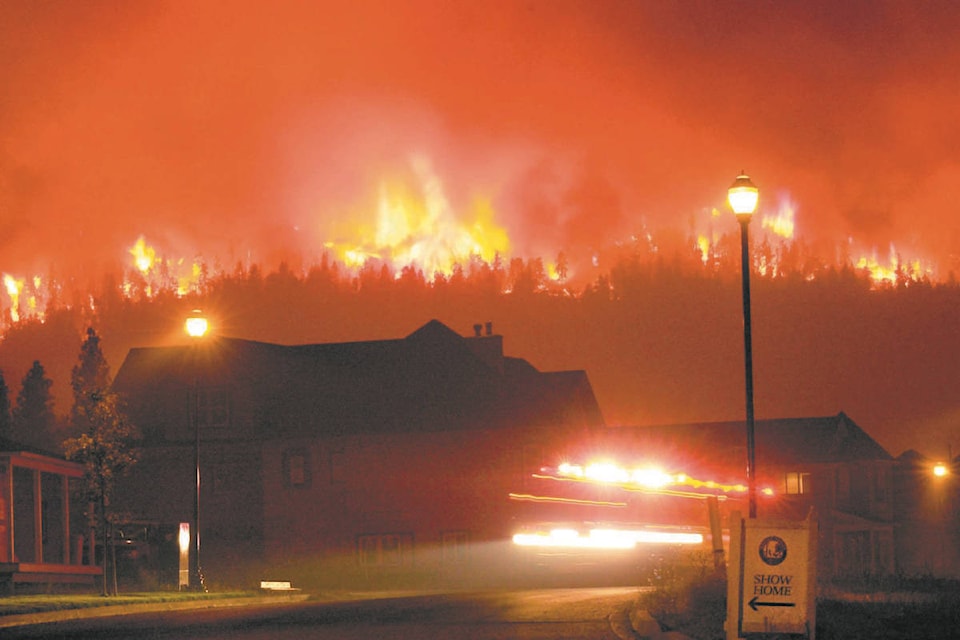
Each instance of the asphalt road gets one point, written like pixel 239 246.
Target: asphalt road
pixel 516 615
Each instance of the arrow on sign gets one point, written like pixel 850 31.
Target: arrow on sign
pixel 754 603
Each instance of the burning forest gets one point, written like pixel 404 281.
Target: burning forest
pixel 652 317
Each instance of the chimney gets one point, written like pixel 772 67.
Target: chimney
pixel 487 346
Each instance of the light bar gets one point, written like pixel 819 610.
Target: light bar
pixel 604 538
pixel 643 478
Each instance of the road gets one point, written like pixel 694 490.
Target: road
pixel 515 615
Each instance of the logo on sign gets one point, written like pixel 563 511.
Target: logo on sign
pixel 773 550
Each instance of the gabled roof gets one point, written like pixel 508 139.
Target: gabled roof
pixel 778 442
pixel 434 379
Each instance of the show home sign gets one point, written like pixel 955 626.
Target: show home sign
pixel 771 577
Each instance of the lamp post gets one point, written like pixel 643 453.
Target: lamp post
pixel 196 327
pixel 946 561
pixel 743 196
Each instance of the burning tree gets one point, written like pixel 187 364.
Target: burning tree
pixel 105 442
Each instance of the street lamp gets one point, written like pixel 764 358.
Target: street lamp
pixel 743 196
pixel 196 327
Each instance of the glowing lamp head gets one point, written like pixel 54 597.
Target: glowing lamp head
pixel 940 470
pixel 743 196
pixel 196 325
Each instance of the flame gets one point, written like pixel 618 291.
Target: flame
pixel 156 274
pixel 143 255
pixel 13 287
pixel 894 271
pixel 781 224
pixel 419 227
pixel 413 223
pixel 704 244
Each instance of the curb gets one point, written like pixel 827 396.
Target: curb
pixel 645 627
pixel 107 611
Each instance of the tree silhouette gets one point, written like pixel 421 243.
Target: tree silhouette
pixel 90 378
pixel 104 444
pixel 105 450
pixel 6 422
pixel 33 419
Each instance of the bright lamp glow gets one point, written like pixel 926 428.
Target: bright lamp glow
pixel 940 470
pixel 604 538
pixel 184 537
pixel 196 325
pixel 743 196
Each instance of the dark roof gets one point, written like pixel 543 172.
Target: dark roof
pixel 778 442
pixel 432 379
pixel 912 456
pixel 11 446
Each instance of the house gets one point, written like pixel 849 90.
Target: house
pixel 426 457
pixel 826 463
pixel 370 461
pixel 44 532
pixel 928 516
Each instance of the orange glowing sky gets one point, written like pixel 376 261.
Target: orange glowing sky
pixel 245 130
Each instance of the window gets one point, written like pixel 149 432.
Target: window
pixel 856 553
pixel 296 468
pixel 454 549
pixel 385 550
pixel 213 412
pixel 796 483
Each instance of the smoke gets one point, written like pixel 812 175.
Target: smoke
pixel 249 131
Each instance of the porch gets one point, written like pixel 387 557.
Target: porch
pixel 44 530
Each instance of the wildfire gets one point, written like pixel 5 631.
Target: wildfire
pixel 153 274
pixel 414 224
pixel 781 224
pixel 894 271
pixel 13 287
pixel 419 227
pixel 143 255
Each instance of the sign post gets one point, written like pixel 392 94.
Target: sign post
pixel 772 577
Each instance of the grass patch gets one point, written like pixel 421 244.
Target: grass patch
pixel 16 605
pixel 688 595
pixel 690 598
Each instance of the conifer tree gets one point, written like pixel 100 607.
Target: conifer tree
pixel 6 421
pixel 33 419
pixel 105 442
pixel 90 379
pixel 106 453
